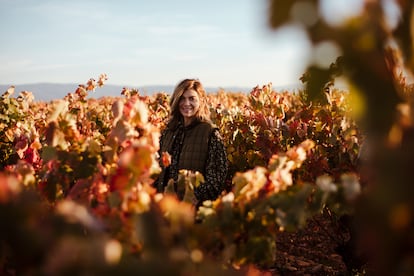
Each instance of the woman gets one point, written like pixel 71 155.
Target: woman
pixel 193 142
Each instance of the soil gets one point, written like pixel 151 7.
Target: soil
pixel 325 246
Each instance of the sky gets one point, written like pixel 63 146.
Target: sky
pixel 157 42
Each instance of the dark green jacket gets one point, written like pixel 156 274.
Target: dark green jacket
pixel 194 150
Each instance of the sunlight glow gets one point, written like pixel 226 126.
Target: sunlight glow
pixel 113 252
pixel 337 12
pixel 325 53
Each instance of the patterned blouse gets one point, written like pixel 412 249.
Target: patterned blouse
pixel 216 169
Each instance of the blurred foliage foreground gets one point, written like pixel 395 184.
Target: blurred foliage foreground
pixel 76 175
pixel 377 61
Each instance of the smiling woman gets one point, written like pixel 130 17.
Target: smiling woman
pixel 193 143
pixel 189 105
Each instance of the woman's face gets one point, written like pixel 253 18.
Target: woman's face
pixel 189 105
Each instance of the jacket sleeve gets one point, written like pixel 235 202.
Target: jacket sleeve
pixel 216 169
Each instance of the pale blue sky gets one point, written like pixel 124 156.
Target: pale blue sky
pixel 223 43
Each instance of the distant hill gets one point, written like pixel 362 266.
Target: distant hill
pixel 51 91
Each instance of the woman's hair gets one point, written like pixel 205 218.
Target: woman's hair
pixel 203 113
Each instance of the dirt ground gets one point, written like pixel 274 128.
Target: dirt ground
pixel 324 247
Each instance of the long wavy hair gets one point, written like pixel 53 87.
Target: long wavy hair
pixel 203 113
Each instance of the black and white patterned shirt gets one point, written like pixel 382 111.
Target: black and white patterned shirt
pixel 216 169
